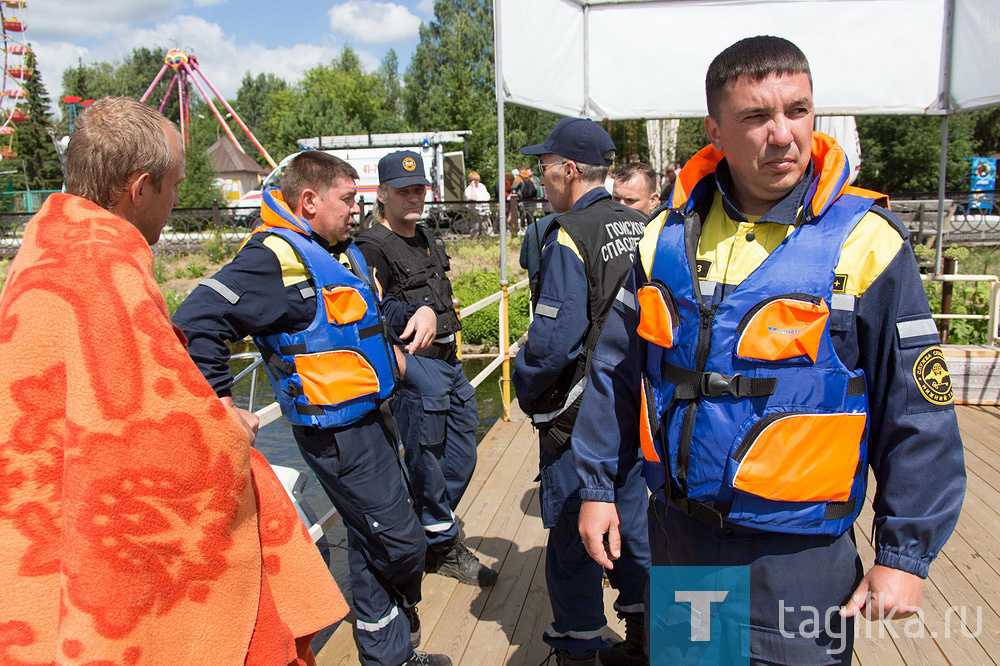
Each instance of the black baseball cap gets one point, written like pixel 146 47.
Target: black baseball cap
pixel 402 168
pixel 578 139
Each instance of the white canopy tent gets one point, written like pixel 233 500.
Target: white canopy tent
pixel 632 59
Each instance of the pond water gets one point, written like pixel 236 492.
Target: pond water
pixel 277 444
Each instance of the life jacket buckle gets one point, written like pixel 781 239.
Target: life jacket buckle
pixel 715 384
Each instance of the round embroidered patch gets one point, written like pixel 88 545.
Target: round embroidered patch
pixel 409 164
pixel 932 376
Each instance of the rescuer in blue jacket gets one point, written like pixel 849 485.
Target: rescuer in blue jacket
pixel 587 252
pixel 772 342
pixel 305 294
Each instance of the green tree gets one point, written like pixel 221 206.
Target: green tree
pixel 339 98
pixel 901 154
pixel 33 137
pixel 450 86
pixel 198 189
pixel 253 104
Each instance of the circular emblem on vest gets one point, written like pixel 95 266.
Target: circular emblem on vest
pixel 932 376
pixel 409 164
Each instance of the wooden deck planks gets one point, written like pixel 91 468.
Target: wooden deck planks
pixel 503 625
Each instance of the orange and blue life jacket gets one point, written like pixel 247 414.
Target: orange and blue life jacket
pixel 340 367
pixel 748 414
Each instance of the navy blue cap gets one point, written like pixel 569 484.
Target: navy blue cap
pixel 402 168
pixel 578 139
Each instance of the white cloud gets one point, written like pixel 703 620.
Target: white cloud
pixel 208 3
pixel 372 22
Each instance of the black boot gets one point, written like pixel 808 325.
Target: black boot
pixel 414 618
pixel 424 659
pixel 629 652
pixel 459 563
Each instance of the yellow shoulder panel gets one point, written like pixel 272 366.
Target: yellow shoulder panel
pixel 564 239
pixel 868 250
pixel 647 246
pixel 293 270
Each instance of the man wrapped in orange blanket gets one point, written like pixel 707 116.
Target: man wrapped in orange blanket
pixel 137 524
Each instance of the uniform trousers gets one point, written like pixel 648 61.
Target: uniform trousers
pixel 437 414
pixel 794 579
pixel 574 580
pixel 359 470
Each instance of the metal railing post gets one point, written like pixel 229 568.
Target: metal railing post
pixel 457 304
pixel 505 349
pixel 992 338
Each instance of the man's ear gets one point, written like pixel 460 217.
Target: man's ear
pixel 380 195
pixel 714 135
pixel 655 199
pixel 308 200
pixel 138 187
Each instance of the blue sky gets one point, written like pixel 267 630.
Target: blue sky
pixel 230 37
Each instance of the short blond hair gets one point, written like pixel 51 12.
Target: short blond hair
pixel 113 139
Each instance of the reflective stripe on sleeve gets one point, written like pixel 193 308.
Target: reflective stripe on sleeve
pixel 544 310
pixel 221 290
pixel 915 328
pixel 842 302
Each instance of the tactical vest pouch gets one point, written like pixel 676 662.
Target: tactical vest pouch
pixel 799 457
pixel 784 327
pixel 344 305
pixel 336 376
pixel 649 422
pixel 657 314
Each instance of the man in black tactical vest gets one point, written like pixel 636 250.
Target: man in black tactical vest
pixel 436 406
pixel 586 254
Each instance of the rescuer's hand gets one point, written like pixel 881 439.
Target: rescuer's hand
pixel 885 590
pixel 597 520
pixel 422 327
pixel 248 420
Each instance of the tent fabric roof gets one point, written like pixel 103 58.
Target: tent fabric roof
pixel 621 59
pixel 226 158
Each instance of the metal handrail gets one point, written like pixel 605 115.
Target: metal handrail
pixel 993 318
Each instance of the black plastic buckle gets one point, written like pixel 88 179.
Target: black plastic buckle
pixel 715 384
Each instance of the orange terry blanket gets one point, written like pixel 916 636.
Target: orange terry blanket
pixel 136 525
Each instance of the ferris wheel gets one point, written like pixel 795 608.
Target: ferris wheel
pixel 17 70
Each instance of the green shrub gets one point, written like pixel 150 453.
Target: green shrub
pixel 217 251
pixel 4 267
pixel 196 270
pixel 482 328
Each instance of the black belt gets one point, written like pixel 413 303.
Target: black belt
pixel 444 352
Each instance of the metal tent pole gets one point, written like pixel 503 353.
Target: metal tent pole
pixel 502 209
pixel 949 30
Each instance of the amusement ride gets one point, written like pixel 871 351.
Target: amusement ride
pixel 187 72
pixel 17 71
